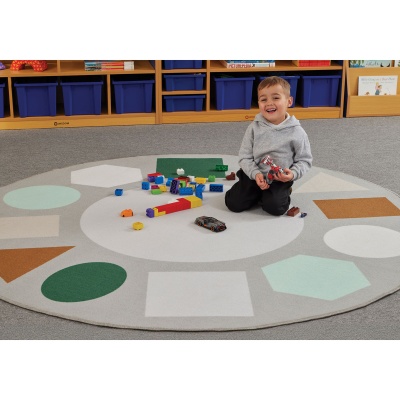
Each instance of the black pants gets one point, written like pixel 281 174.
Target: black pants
pixel 245 194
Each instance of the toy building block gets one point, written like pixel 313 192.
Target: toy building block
pixel 137 226
pixel 221 167
pixel 182 203
pixel 293 211
pixel 145 185
pixel 37 66
pixel 127 213
pixel 180 171
pixel 174 189
pixel 151 177
pixel 163 188
pixel 216 187
pixel 303 215
pixel 191 178
pixel 118 192
pixel 199 190
pixel 159 179
pixel 231 176
pixel 185 191
pixel 211 178
pixel 156 191
pixel 200 180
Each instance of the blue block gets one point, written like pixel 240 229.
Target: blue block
pixel 199 190
pixel 186 191
pixel 118 192
pixel 146 185
pixel 216 187
pixel 159 179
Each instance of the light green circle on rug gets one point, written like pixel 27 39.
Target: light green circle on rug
pixel 82 282
pixel 41 197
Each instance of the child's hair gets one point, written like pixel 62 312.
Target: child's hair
pixel 275 80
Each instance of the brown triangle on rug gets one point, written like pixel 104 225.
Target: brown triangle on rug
pixel 17 262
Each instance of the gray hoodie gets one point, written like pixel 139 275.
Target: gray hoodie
pixel 287 144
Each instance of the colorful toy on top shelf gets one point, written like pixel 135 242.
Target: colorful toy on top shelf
pixel 274 169
pixel 2 66
pixel 37 66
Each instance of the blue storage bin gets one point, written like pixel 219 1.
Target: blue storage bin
pixel 182 64
pixel 82 95
pixel 319 91
pixel 184 103
pixel 233 93
pixel 293 81
pixel 36 97
pixel 2 86
pixel 133 95
pixel 184 82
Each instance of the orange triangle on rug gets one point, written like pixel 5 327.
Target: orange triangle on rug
pixel 17 262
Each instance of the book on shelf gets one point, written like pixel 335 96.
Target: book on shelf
pixel 100 65
pixel 370 63
pixel 248 63
pixel 377 85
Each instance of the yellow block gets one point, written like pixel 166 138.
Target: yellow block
pixel 194 201
pixel 200 180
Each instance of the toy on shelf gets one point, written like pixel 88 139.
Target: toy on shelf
pixel 274 169
pixel 210 223
pixel 37 66
pixel 293 211
pixel 2 66
pixel 127 213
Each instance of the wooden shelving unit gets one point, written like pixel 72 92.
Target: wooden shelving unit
pixel 108 117
pixel 370 106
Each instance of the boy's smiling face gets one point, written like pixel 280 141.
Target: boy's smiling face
pixel 273 103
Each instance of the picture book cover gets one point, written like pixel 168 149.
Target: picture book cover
pixel 377 85
pixel 370 63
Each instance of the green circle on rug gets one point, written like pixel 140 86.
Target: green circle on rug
pixel 41 197
pixel 82 282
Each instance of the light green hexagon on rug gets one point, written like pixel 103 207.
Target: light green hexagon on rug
pixel 316 277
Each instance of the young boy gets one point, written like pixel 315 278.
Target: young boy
pixel 277 134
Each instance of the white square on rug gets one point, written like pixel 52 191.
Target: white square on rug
pixel 198 294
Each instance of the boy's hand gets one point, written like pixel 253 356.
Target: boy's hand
pixel 285 176
pixel 261 182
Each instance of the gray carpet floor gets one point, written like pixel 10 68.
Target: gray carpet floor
pixel 367 148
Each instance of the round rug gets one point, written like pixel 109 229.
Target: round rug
pixel 65 249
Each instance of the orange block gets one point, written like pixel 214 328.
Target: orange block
pixel 358 208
